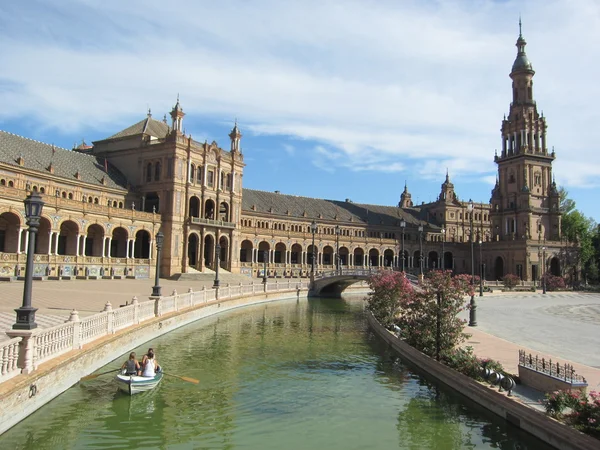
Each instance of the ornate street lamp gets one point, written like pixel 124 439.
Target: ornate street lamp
pixel 402 227
pixel 313 229
pixel 337 249
pixel 443 265
pixel 33 213
pixel 156 289
pixel 217 259
pixel 265 257
pixel 481 271
pixel 543 270
pixel 473 310
pixel 421 250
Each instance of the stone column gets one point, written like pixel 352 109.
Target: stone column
pixel 77 246
pixel 56 237
pixel 19 246
pixel 104 246
pixel 26 361
pixel 50 239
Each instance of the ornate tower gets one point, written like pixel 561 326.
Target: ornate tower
pixel 177 116
pixel 447 194
pixel 525 200
pixel 235 137
pixel 405 198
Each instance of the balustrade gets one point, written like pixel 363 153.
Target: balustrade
pixel 9 357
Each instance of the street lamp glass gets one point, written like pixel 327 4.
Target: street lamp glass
pixel 159 239
pixel 420 228
pixel 402 224
pixel 313 226
pixel 443 230
pixel 470 206
pixel 33 206
pixel 337 230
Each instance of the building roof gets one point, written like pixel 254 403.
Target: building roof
pixel 148 126
pixel 38 156
pixel 262 202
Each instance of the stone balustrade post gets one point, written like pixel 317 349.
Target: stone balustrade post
pixel 136 309
pixel 110 316
pixel 26 359
pixel 74 318
pixel 203 294
pixel 157 312
pixel 191 292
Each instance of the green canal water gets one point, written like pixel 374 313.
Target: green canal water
pixel 293 374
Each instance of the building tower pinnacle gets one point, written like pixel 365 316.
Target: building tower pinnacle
pixel 235 137
pixel 177 116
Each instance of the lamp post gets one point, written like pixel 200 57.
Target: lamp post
pixel 313 229
pixel 156 289
pixel 480 269
pixel 421 250
pixel 218 263
pixel 543 270
pixel 33 213
pixel 402 227
pixel 443 261
pixel 473 309
pixel 265 257
pixel 337 249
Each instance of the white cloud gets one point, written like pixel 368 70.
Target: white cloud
pixel 388 86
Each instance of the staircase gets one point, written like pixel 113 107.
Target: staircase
pixel 209 275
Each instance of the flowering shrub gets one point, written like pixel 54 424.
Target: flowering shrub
pixel 554 283
pixel 510 280
pixel 584 412
pixel 464 361
pixel 389 290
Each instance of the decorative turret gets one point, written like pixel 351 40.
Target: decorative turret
pixel 177 116
pixel 235 137
pixel 405 198
pixel 447 194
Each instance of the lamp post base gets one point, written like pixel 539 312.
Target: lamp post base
pixel 157 291
pixel 265 280
pixel 217 283
pixel 473 313
pixel 25 318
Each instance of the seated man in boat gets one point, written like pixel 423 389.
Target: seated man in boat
pixel 131 366
pixel 151 366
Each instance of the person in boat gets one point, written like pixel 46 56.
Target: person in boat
pixel 131 366
pixel 145 357
pixel 151 366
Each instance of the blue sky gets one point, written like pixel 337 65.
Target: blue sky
pixel 336 99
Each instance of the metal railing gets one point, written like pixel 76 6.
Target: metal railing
pixel 557 370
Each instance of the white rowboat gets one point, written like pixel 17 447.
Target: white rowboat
pixel 133 384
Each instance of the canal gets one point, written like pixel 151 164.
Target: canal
pixel 293 374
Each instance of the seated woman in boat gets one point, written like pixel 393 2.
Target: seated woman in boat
pixel 131 366
pixel 151 366
pixel 145 357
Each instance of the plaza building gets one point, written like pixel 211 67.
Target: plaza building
pixel 105 202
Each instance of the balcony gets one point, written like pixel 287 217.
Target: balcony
pixel 211 222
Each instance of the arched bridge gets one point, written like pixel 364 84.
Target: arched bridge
pixel 334 282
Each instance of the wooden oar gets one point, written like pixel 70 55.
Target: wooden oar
pixel 191 380
pixel 95 375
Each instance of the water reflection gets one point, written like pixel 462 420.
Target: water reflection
pixel 280 375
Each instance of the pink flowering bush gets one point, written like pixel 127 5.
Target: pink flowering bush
pixel 554 283
pixel 510 280
pixel 389 291
pixel 584 412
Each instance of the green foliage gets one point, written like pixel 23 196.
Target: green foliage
pixel 464 361
pixel 584 412
pixel 510 280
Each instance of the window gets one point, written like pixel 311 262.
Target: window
pixel 157 171
pixel 210 178
pixel 170 168
pixel 149 172
pixel 199 175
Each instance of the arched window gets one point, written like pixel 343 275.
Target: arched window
pixel 149 172
pixel 70 196
pixel 228 182
pixel 192 173
pixel 11 184
pixel 199 175
pixel 157 171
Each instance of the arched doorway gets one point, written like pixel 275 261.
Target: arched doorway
pixel 374 257
pixel 94 240
pixel 42 242
pixel 209 251
pixel 151 202
pixel 432 260
pixel 194 207
pixel 209 209
pixel 327 255
pixel 344 252
pixel 9 232
pixel 223 256
pixel 118 243
pixel 555 266
pixel 141 248
pixel 224 212
pixel 447 261
pixel 246 251
pixel 388 258
pixel 67 239
pixel 499 268
pixel 296 254
pixel 279 257
pixel 192 248
pixel 312 254
pixel 359 257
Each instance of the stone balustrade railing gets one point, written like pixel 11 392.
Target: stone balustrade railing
pixel 24 353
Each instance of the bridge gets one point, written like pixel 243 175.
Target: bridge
pixel 333 283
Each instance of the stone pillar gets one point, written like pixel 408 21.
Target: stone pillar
pixel 104 246
pixel 56 236
pixel 83 240
pixel 27 242
pixel 19 241
pixel 26 361
pixel 50 239
pixel 109 245
pixel 74 317
pixel 151 246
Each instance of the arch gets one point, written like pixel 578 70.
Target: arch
pixel 157 171
pixel 10 224
pixel 296 254
pixel 67 238
pixel 246 251
pixel 555 266
pixel 223 256
pixel 280 253
pixel 344 256
pixel 94 240
pixel 70 196
pixel 224 212
pixel 194 206
pixel 262 248
pixel 151 202
pixel 359 257
pixel 192 247
pixel 209 250
pixel 209 209
pixel 388 258
pixel 432 260
pixel 118 243
pixel 141 248
pixel 374 257
pixel 499 268
pixel 448 258
pixel 327 255
pixel 43 237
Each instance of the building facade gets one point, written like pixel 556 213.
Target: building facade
pixel 105 202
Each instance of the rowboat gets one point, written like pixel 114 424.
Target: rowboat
pixel 133 384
